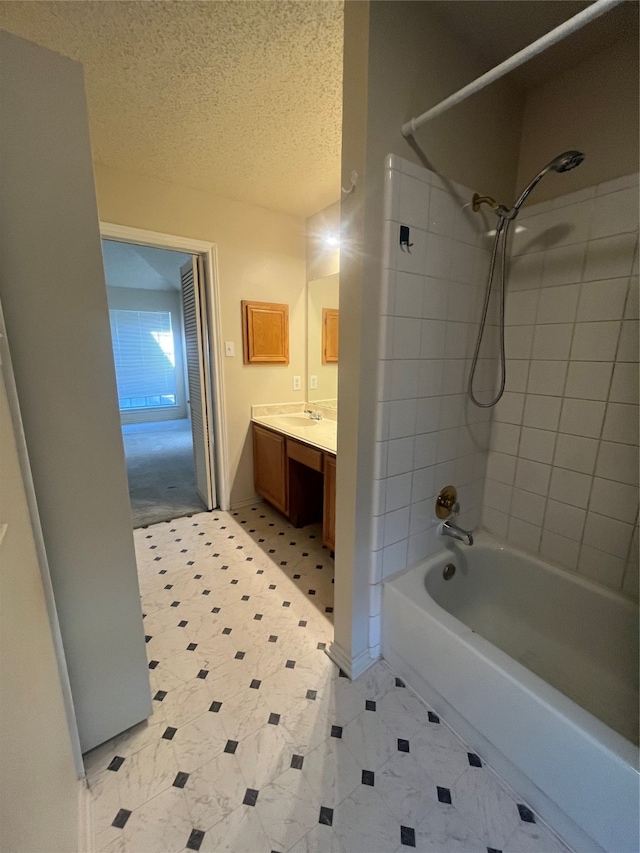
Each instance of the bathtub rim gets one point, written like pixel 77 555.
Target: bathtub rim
pixel 598 732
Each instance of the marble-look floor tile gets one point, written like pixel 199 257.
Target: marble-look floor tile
pixel 146 773
pixel 321 839
pixel 533 838
pixel 214 790
pixel 332 772
pixel 240 832
pixel 486 805
pixel 363 822
pixel 444 830
pixel 186 702
pixel 264 755
pixel 199 741
pixel 369 740
pixel 406 788
pixel 162 825
pixel 288 809
pixel 243 714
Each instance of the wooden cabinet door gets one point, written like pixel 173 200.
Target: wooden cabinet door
pixel 330 335
pixel 329 514
pixel 265 332
pixel 269 466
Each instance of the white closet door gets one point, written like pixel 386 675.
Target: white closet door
pixel 198 377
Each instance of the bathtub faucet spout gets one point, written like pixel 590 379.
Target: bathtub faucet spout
pixel 448 528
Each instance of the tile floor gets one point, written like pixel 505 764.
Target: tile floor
pixel 257 742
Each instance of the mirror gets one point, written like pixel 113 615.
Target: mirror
pixel 322 341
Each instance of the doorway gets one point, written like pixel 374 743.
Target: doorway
pixel 164 324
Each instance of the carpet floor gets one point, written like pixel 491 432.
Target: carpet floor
pixel 160 471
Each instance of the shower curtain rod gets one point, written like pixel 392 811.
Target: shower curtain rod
pixel 552 37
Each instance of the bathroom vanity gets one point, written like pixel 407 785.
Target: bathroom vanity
pixel 294 466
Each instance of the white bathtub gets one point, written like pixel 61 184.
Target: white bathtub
pixel 535 668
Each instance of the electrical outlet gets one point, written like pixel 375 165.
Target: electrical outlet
pixel 297 383
pixel 313 382
pixel 229 348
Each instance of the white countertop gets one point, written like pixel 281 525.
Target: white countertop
pixel 320 434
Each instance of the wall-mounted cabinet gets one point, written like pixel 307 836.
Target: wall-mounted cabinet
pixel 265 332
pixel 330 335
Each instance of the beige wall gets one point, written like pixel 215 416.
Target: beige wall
pixel 323 293
pixel 593 108
pixel 261 256
pixel 322 260
pixel 39 791
pixel 399 60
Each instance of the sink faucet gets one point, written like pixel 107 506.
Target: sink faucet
pixel 449 528
pixel 315 416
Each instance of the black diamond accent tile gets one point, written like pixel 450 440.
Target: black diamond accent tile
pixel 318 565
pixel 121 818
pixel 245 598
pixel 305 553
pixel 311 694
pixel 192 647
pixel 272 550
pixel 116 763
pixel 260 572
pixel 286 604
pixel 274 719
pixel 407 836
pixel 216 610
pixel 195 839
pixel 235 581
pixel 368 777
pixel 295 577
pixel 250 797
pixel 400 683
pixel 272 586
pixel 343 674
pixel 444 795
pixel 181 780
pixel 215 707
pixel 302 623
pixel 231 746
pixel 147 637
pixel 493 850
pixel 321 646
pixel 183 550
pixel 240 655
pixel 326 816
pixel 297 761
pixel 197 577
pixel 169 733
pixel 273 638
pixel 328 610
pixel 336 731
pixel 206 592
pixel 403 745
pixel 160 695
pixel 183 624
pixel 312 592
pixel 157 559
pixel 175 603
pixel 433 718
pixel 526 814
pixel 169 586
pixel 290 664
pixel 226 630
pixel 474 760
pixel 203 673
pixel 255 684
pixel 370 705
pixel 258 617
pixel 153 664
pixel 223 568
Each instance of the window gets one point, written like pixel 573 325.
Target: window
pixel 144 358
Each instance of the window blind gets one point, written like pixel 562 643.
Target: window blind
pixel 144 358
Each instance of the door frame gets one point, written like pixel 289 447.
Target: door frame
pixel 213 334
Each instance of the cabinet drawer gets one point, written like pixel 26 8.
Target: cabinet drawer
pixel 304 454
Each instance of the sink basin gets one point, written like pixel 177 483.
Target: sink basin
pixel 295 421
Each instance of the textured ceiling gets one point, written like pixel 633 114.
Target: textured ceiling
pixel 129 265
pixel 243 99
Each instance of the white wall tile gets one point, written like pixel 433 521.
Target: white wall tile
pixel 438 256
pixel 615 500
pixel 595 341
pixel 518 341
pixel 517 375
pixel 432 338
pixel 442 212
pixel 397 491
pixel 600 567
pixel 409 290
pixel 410 258
pixel 610 257
pixel 501 467
pixel 558 304
pixel 525 271
pixel 607 534
pixel 510 408
pixel 624 385
pixel 421 518
pixel 532 476
pixel 632 307
pixel 547 377
pixel 560 549
pixel 435 301
pixel 428 382
pixel 631 581
pixel 589 380
pixel 576 453
pixel 423 484
pixel 406 337
pixel 528 506
pixel 400 456
pixel 537 444
pixel 495 522
pixel 551 342
pixel 402 418
pixel 427 414
pixel 602 300
pixel 524 535
pixel 563 265
pixel 413 202
pixel 498 495
pixel 379 496
pixel 505 438
pixel 564 519
pixel 570 487
pixel 615 213
pixel 402 380
pixel 628 343
pixel 542 412
pixel 425 450
pixel 394 558
pixel 582 417
pixel 396 526
pixel 618 462
pixel 621 423
pixel 521 307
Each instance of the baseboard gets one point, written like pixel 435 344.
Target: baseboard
pixel 352 666
pixel 85 833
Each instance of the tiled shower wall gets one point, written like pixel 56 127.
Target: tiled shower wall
pixel 562 473
pixel 428 434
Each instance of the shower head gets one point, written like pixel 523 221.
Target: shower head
pixel 562 163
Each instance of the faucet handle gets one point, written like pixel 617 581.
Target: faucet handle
pixel 447 502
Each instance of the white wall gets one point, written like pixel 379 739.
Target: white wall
pixel 563 469
pixel 55 304
pixel 40 788
pixel 142 299
pixel 261 256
